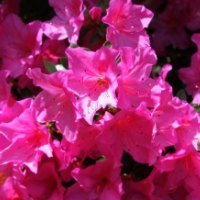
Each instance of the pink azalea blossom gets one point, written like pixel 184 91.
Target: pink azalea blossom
pixel 102 128
pixel 101 180
pixel 190 74
pixel 93 78
pixel 76 193
pixel 181 170
pixel 134 83
pixel 171 24
pixel 85 144
pixel 28 140
pixel 95 13
pixel 10 185
pixel 5 97
pixel 45 184
pixel 51 51
pixel 9 108
pixel 55 102
pixel 17 54
pixel 190 77
pixel 176 124
pixel 194 195
pixel 10 111
pixel 126 132
pixel 68 21
pixel 126 23
pixel 7 7
pixel 163 192
pixel 188 127
pixel 141 190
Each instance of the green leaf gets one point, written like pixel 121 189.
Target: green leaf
pixel 155 71
pixel 196 107
pixel 64 62
pixel 49 66
pixel 72 45
pixel 181 94
pixel 101 158
pixel 107 44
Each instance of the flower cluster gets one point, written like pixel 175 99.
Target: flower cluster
pixel 190 75
pixel 85 114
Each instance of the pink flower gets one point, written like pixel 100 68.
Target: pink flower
pixel 52 83
pixel 187 127
pixel 5 97
pixel 19 44
pixel 10 185
pixel 93 78
pixel 95 13
pixel 170 26
pixel 28 140
pixel 126 23
pixel 85 144
pixel 196 40
pixel 132 131
pixel 9 108
pixel 55 102
pixel 76 193
pixel 134 83
pixel 100 181
pixel 163 192
pixel 179 171
pixel 176 123
pixel 45 184
pixel 51 51
pixel 10 111
pixel 7 7
pixel 194 195
pixel 190 76
pixel 141 190
pixel 68 21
